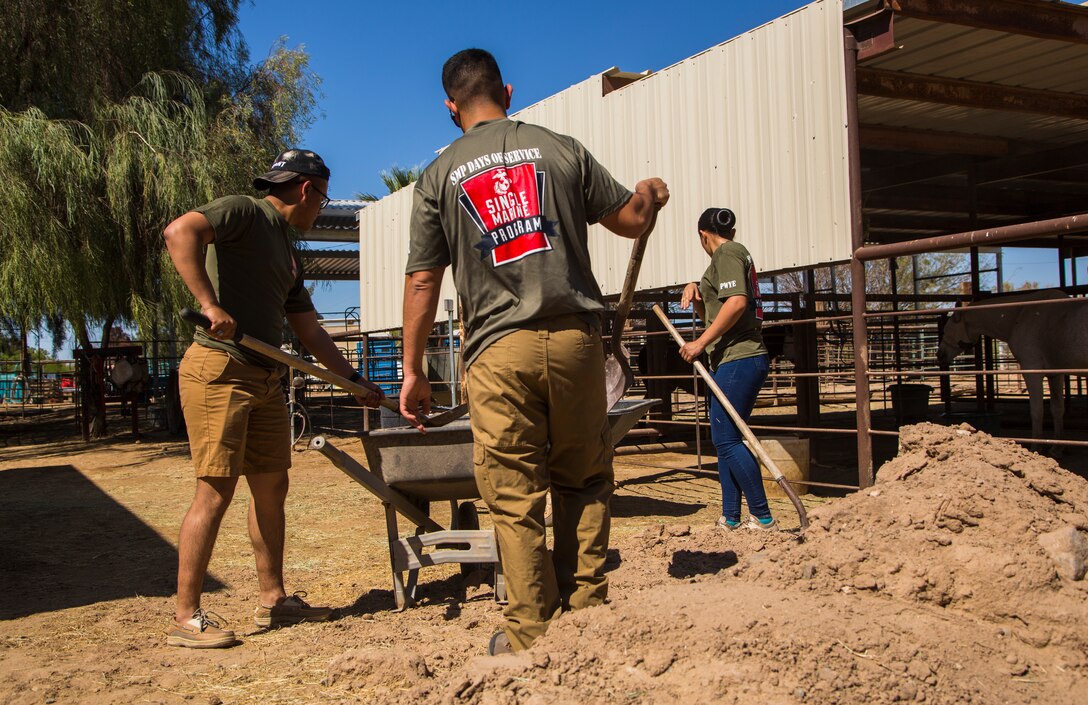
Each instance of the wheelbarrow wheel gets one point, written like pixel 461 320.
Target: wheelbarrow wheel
pixel 469 520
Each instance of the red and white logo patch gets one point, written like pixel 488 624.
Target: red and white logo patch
pixel 504 202
pixel 757 298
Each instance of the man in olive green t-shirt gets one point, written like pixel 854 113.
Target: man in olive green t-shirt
pixel 507 206
pixel 237 257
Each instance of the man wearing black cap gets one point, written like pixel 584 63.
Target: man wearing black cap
pixel 237 258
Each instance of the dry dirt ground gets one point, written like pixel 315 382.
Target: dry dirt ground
pixel 931 587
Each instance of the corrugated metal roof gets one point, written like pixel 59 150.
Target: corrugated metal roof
pixel 999 65
pixel 383 257
pixel 986 56
pixel 330 265
pixel 973 121
pixel 756 124
pixel 337 222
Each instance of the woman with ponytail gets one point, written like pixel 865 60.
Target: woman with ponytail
pixel 727 299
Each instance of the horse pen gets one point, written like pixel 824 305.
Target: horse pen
pixel 946 557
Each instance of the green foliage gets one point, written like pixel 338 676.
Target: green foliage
pixel 394 179
pixel 83 205
pixel 115 118
pixel 51 176
pixel 65 57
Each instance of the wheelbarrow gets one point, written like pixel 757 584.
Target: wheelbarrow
pixel 409 470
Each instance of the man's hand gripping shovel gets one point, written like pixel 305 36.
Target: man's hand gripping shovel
pixel 293 361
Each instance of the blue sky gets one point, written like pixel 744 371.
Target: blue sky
pixel 381 68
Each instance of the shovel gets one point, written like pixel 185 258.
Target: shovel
pixel 274 353
pixel 617 364
pixel 753 442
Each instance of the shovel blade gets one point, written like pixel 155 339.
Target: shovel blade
pixel 617 378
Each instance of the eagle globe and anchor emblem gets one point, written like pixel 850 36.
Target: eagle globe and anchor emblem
pixel 502 181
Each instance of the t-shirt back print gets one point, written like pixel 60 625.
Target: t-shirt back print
pixel 504 202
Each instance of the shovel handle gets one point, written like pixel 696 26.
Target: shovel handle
pixel 627 295
pixel 292 361
pixel 756 446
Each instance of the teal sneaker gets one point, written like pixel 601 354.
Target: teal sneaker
pixel 758 524
pixel 727 525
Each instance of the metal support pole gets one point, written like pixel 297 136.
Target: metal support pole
pixel 984 342
pixel 808 390
pixel 1000 272
pixel 897 345
pixel 695 392
pixel 857 268
pixel 448 303
pixel 991 237
pixel 364 367
pixel 1061 262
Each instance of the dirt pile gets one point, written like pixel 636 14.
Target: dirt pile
pixel 956 520
pixel 950 581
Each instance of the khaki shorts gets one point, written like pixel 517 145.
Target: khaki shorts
pixel 235 413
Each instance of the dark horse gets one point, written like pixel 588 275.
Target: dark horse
pixel 660 357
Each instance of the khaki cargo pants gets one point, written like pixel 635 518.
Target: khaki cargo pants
pixel 537 405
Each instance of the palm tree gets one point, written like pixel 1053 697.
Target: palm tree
pixel 394 179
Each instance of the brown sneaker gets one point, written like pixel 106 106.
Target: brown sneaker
pixel 290 610
pixel 201 632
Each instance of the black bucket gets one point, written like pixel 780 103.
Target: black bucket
pixel 910 402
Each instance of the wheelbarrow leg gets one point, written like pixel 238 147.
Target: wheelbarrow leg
pixel 400 596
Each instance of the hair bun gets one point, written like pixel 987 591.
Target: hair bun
pixel 718 221
pixel 725 220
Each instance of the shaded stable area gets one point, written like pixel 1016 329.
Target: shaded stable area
pixel 967 128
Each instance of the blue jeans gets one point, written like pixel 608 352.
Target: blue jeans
pixel 738 469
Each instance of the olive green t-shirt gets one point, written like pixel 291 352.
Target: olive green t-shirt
pixel 255 271
pixel 732 273
pixel 507 205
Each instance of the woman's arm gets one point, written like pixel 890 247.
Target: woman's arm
pixel 732 309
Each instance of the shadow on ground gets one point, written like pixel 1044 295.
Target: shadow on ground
pixel 66 543
pixel 688 564
pixel 626 504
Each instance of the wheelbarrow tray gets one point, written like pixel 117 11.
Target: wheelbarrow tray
pixel 408 470
pixel 438 465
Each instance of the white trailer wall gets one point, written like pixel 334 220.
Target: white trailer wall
pixel 757 124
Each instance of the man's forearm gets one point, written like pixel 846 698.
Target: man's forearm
pixel 634 217
pixel 421 290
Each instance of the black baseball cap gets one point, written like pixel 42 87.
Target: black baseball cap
pixel 292 164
